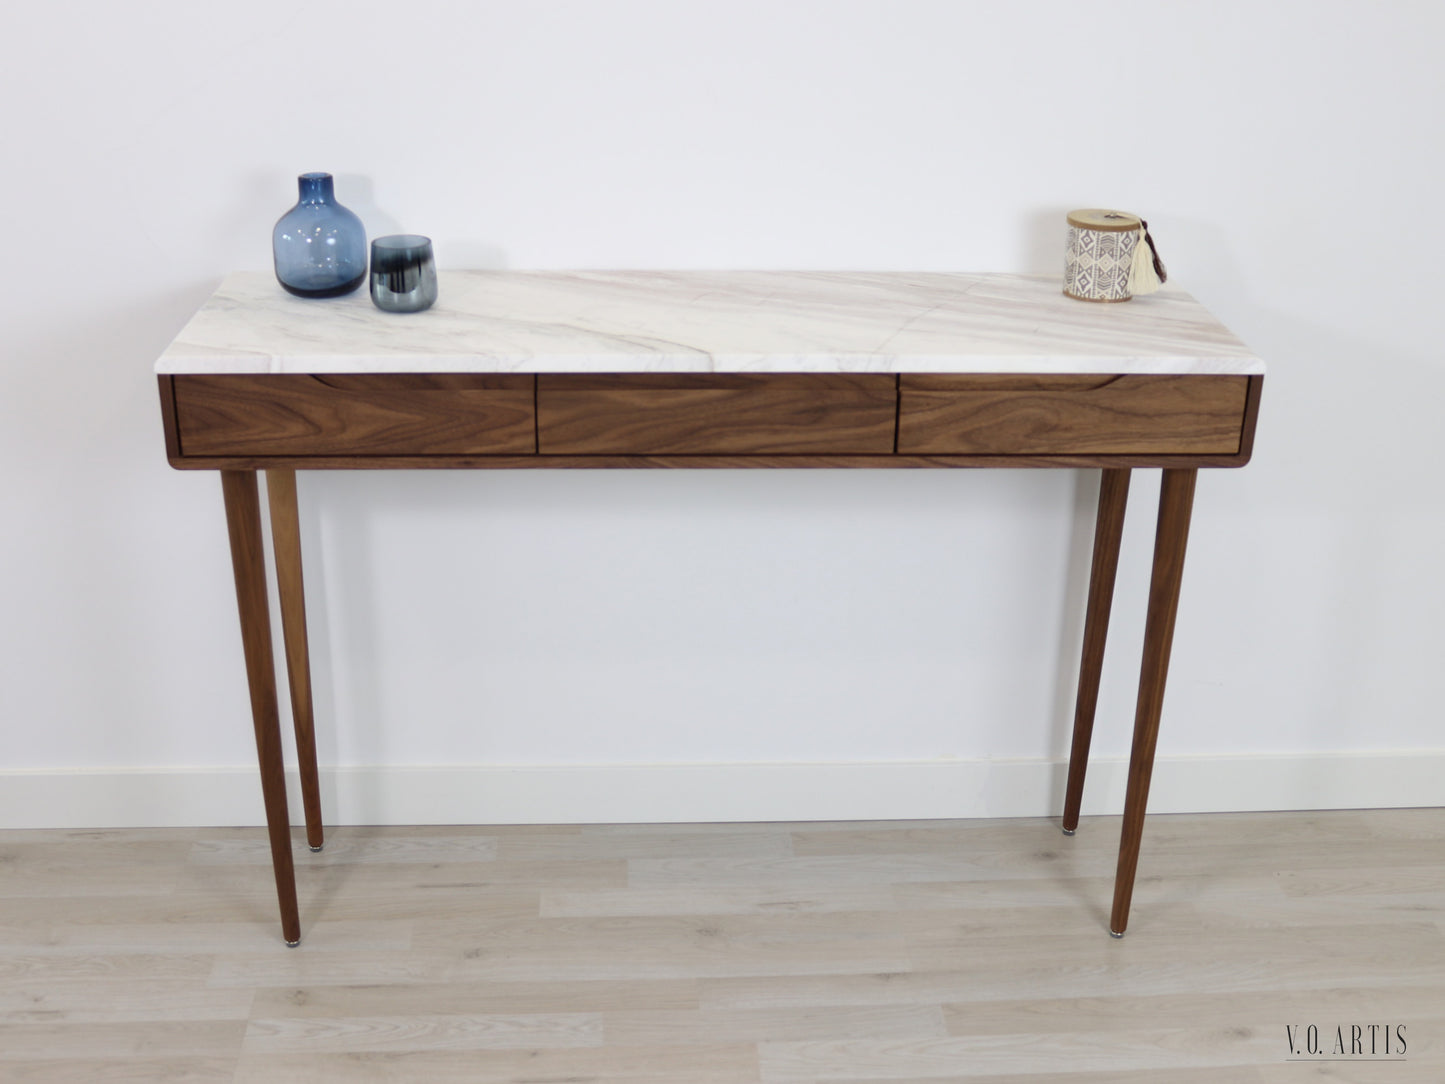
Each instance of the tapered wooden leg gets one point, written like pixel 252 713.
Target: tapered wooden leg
pixel 286 541
pixel 1176 500
pixel 243 520
pixel 1108 530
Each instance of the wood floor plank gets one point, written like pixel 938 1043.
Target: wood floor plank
pixel 307 969
pixel 138 1070
pixel 1028 978
pixel 658 843
pixel 664 995
pixel 1161 1050
pixel 353 847
pixel 1375 881
pixel 1212 1075
pixel 49 1039
pixel 942 837
pixel 49 878
pixel 1418 1072
pixel 983 945
pixel 370 895
pixel 421 1032
pixel 159 938
pixel 712 1063
pixel 117 970
pixel 1265 1011
pixel 819 871
pixel 732 900
pixel 613 948
pixel 110 839
pixel 633 1028
pixel 600 873
pixel 168 999
pixel 785 992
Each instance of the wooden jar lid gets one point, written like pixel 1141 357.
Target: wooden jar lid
pixel 1105 221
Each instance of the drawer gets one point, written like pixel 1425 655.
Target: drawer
pixel 1070 415
pixel 384 414
pixel 716 414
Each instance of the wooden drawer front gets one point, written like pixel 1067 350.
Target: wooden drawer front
pixel 385 414
pixel 1061 415
pixel 716 414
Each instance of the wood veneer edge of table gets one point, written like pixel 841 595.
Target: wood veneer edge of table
pixel 881 461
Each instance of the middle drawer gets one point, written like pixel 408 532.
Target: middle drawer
pixel 716 414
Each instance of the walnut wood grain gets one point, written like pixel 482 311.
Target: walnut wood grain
pixel 243 522
pixel 1251 418
pixel 168 418
pixel 384 414
pixel 699 462
pixel 1171 537
pixel 1108 532
pixel 715 414
pixel 1033 415
pixel 264 455
pixel 286 545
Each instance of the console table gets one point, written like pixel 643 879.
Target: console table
pixel 704 369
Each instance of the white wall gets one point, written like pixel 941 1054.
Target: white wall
pixel 892 636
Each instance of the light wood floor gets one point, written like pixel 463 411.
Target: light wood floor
pixel 787 953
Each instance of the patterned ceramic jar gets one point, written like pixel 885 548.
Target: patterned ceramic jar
pixel 1101 254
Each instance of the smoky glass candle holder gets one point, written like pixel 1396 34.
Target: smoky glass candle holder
pixel 403 273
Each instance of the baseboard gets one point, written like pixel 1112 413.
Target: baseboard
pixel 491 794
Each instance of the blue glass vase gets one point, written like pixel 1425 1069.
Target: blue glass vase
pixel 319 246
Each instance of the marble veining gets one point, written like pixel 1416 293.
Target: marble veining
pixel 708 321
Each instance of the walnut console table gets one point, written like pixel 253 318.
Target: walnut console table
pixel 704 369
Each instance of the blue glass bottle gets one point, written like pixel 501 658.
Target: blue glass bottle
pixel 319 246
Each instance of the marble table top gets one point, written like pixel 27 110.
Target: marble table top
pixel 708 321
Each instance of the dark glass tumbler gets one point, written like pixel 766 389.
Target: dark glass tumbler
pixel 403 273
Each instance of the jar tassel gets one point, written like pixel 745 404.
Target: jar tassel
pixel 1147 273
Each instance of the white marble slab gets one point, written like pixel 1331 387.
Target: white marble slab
pixel 708 321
